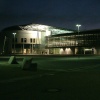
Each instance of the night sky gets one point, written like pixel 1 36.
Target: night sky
pixel 58 13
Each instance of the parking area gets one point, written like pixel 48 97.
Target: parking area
pixel 57 78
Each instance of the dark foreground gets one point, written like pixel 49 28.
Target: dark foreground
pixel 57 78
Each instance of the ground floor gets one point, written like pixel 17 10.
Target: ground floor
pixel 75 50
pixel 39 49
pixel 28 49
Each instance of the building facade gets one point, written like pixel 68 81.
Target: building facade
pixel 29 39
pixel 43 39
pixel 86 42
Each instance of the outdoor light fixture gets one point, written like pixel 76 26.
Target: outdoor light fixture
pixel 14 41
pixel 78 26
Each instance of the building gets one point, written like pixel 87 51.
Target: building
pixel 85 42
pixel 43 39
pixel 28 39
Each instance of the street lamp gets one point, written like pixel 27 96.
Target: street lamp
pixel 78 26
pixel 14 41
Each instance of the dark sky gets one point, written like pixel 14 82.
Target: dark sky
pixel 58 13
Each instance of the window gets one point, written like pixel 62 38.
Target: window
pixel 23 40
pixel 32 40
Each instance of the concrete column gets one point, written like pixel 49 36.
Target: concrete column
pixel 23 47
pixel 72 50
pixel 54 51
pixel 78 50
pixel 32 47
pixel 64 51
pixel 84 51
pixel 97 51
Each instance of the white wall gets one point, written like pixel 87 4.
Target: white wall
pixel 28 34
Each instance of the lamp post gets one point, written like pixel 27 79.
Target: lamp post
pixel 14 41
pixel 4 44
pixel 78 26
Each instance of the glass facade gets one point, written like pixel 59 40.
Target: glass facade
pixel 69 40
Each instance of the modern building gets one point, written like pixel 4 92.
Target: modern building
pixel 85 42
pixel 43 39
pixel 28 39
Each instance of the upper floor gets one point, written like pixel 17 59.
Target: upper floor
pixel 86 38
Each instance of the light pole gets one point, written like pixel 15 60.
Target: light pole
pixel 14 41
pixel 78 26
pixel 4 44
